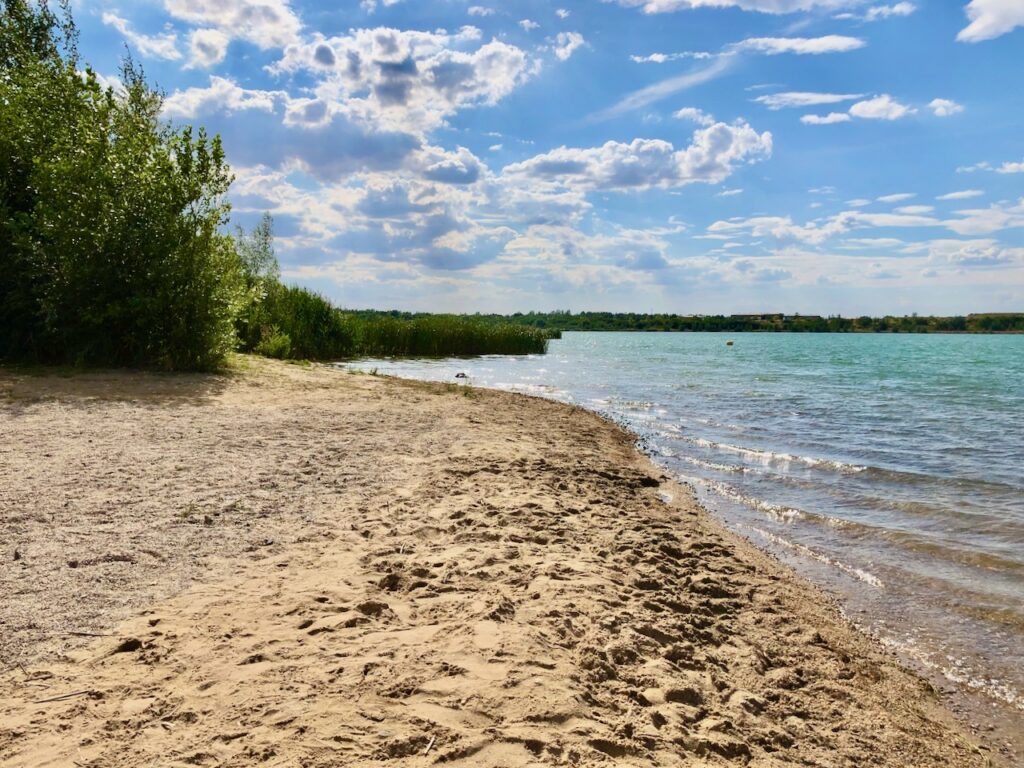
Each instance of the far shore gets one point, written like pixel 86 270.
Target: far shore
pixel 288 565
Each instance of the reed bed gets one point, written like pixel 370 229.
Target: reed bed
pixel 295 323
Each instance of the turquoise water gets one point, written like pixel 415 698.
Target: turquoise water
pixel 890 469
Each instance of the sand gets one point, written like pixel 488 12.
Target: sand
pixel 294 566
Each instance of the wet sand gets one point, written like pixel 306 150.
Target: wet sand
pixel 289 565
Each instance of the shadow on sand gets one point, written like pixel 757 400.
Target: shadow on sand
pixel 23 386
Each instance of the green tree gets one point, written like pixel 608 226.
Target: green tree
pixel 110 219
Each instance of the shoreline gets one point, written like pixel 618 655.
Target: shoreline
pixel 404 572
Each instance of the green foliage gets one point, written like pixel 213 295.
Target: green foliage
pixel 110 244
pixel 275 344
pixel 381 335
pixel 290 322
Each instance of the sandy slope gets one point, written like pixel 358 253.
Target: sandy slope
pixel 322 569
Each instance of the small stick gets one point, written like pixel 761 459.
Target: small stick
pixel 432 740
pixel 87 634
pixel 62 697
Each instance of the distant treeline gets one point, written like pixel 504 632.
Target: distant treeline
pixel 1008 322
pixel 113 248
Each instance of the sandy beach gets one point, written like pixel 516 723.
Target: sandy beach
pixel 289 565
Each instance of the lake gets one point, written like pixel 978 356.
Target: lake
pixel 887 468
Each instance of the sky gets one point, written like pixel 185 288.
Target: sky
pixel 688 156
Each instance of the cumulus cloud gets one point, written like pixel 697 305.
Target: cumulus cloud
pixel 694 115
pixel 162 46
pixel 562 13
pixel 208 47
pixel 646 163
pixel 944 107
pixel 407 80
pixel 1011 167
pixel 266 23
pixel 566 43
pixel 990 19
pixel 800 45
pixel 529 25
pixel 882 107
pixel 479 10
pixel 886 11
pixel 878 12
pixel 970 254
pixel 831 117
pixel 789 99
pixel 222 95
pixel 983 221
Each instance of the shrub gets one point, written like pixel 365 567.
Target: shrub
pixel 110 245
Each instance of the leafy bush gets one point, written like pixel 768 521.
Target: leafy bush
pixel 317 330
pixel 275 344
pixel 110 244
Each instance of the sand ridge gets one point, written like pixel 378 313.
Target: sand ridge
pixel 374 572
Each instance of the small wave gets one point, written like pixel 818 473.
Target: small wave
pixel 775 457
pixel 776 512
pixel 715 466
pixel 858 573
pixel 955 670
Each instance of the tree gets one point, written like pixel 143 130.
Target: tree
pixel 110 219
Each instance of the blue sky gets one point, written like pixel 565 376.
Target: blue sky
pixel 691 156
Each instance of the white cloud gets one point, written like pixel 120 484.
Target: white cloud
pixel 222 95
pixel 1011 167
pixel 495 147
pixel 407 80
pixel 566 43
pixel 208 47
pixel 104 81
pixel 882 107
pixel 983 221
pixel 803 99
pixel 162 46
pixel 529 24
pixel 645 163
pixel 859 202
pixel 562 13
pixel 729 193
pixel 479 10
pixel 964 194
pixel 371 5
pixel 899 197
pixel 969 254
pixel 831 117
pixel 695 115
pixel 661 58
pixel 800 45
pixel 665 88
pixel 267 23
pixel 762 6
pixel 984 165
pixel 945 107
pixel 876 12
pixel 991 18
pixel 915 210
